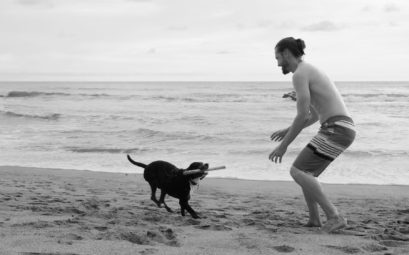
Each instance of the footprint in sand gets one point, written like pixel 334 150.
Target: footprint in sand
pixel 42 253
pixel 101 228
pixel 393 235
pixel 214 227
pixel 247 242
pixel 345 249
pixel 130 236
pixel 393 243
pixel 374 248
pixel 284 248
pixel 69 238
pixel 191 221
pixel 148 251
pixel 352 232
pixel 35 224
pixel 163 235
pixel 249 222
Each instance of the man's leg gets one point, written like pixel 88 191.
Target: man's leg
pixel 314 220
pixel 311 186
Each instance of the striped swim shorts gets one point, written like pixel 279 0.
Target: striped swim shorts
pixel 335 136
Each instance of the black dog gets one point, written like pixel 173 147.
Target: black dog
pixel 170 180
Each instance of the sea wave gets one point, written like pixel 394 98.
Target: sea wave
pixel 13 94
pixel 207 98
pixel 34 94
pixel 150 136
pixel 376 153
pixel 176 135
pixel 356 154
pixel 54 116
pixel 247 152
pixel 184 98
pixel 106 150
pixel 372 95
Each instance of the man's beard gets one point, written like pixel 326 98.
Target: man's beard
pixel 285 67
pixel 285 70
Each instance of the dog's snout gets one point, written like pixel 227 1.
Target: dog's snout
pixel 204 167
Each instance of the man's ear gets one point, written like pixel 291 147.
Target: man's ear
pixel 286 53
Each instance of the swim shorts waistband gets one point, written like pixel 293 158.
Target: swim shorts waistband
pixel 339 120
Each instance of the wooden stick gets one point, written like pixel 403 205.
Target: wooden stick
pixel 195 171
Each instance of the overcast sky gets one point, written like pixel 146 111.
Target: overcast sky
pixel 200 39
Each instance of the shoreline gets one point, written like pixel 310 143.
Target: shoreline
pixel 208 177
pixel 60 211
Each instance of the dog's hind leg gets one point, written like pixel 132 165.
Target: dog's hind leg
pixel 153 194
pixel 162 200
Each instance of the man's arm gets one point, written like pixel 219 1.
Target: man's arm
pixel 300 82
pixel 313 117
pixel 279 135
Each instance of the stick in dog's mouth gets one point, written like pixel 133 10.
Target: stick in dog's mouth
pixel 195 171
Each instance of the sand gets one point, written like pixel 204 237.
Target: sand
pixel 53 211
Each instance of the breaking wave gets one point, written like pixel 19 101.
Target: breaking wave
pixel 54 116
pixel 16 94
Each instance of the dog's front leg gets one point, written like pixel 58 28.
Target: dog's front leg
pixel 184 204
pixel 162 200
pixel 182 208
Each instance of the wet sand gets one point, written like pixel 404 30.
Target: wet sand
pixel 52 211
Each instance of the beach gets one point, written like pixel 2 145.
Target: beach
pixel 55 211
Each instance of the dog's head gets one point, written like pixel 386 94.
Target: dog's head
pixel 194 179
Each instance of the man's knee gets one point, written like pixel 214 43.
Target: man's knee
pixel 295 172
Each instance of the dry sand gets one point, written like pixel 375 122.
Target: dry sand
pixel 51 211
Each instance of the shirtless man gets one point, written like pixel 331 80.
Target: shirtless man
pixel 317 99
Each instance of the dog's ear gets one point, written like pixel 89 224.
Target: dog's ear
pixel 195 165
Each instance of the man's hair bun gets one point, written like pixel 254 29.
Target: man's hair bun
pixel 295 46
pixel 301 45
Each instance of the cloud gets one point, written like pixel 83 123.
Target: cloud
pixel 177 28
pixel 240 26
pixel 36 3
pixel 223 52
pixel 32 2
pixel 264 23
pixel 139 8
pixel 220 14
pixel 152 51
pixel 367 8
pixel 391 7
pixel 322 26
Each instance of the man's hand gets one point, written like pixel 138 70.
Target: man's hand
pixel 291 95
pixel 279 135
pixel 277 154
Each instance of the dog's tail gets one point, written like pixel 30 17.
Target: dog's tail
pixel 136 163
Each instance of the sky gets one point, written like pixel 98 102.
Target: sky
pixel 200 40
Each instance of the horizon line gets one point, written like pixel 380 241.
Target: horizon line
pixel 210 81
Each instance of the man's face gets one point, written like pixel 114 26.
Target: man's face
pixel 282 61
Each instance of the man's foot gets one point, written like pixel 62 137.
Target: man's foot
pixel 334 224
pixel 311 224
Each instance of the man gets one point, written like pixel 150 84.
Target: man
pixel 317 99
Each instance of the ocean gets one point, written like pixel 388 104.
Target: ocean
pixel 93 125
